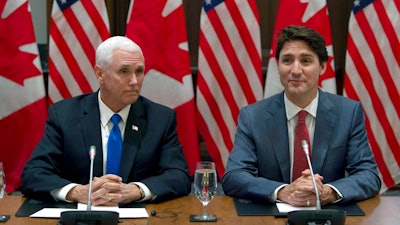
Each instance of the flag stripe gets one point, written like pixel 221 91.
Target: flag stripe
pixel 362 95
pixel 229 74
pixel 217 105
pixel 388 28
pixel 224 57
pixel 211 89
pixel 216 147
pixel 75 32
pixel 379 158
pixel 98 14
pixel 215 68
pixel 372 42
pixel 374 98
pixel 69 59
pixel 372 69
pixel 57 79
pixel 217 114
pixel 218 155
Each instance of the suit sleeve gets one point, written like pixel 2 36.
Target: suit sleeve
pixel 42 172
pixel 242 177
pixel 361 180
pixel 172 178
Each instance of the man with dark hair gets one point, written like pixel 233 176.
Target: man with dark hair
pixel 263 162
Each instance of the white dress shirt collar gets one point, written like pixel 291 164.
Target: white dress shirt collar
pixel 106 113
pixel 292 109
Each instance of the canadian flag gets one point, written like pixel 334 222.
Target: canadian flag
pixel 158 27
pixel 23 108
pixel 313 14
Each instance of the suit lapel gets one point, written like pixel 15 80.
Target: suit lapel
pixel 135 129
pixel 324 130
pixel 279 135
pixel 90 126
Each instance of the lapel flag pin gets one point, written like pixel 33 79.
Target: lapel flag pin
pixel 135 128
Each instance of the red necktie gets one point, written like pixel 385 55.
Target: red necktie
pixel 299 157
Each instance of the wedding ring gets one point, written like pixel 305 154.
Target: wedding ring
pixel 308 202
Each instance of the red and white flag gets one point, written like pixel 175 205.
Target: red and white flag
pixel 373 77
pixel 230 72
pixel 77 27
pixel 313 14
pixel 23 108
pixel 158 27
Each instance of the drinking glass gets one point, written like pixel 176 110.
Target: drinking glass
pixel 2 181
pixel 205 188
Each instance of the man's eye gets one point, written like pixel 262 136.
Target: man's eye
pixel 124 71
pixel 139 71
pixel 307 60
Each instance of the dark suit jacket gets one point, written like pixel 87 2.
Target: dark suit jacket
pixel 152 155
pixel 260 161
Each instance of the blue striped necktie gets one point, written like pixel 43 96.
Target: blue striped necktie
pixel 114 147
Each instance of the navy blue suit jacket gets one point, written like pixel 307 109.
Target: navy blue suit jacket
pixel 151 155
pixel 260 161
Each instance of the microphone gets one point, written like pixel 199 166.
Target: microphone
pixel 88 216
pixel 92 154
pixel 306 150
pixel 317 216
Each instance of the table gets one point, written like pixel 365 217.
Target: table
pixel 378 210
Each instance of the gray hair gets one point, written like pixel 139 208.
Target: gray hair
pixel 105 50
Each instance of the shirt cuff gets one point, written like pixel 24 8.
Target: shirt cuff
pixel 61 194
pixel 339 195
pixel 148 195
pixel 274 195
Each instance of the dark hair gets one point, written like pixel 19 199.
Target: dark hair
pixel 301 33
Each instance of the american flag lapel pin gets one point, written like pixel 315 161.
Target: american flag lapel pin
pixel 135 128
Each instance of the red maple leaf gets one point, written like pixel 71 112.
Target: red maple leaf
pixel 149 29
pixel 16 31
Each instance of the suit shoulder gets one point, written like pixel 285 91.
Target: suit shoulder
pixel 73 100
pixel 273 101
pixel 341 99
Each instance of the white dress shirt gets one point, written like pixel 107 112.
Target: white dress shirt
pixel 106 125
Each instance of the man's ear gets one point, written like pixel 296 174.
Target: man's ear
pixel 98 72
pixel 323 68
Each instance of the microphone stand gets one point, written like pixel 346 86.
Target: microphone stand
pixel 89 217
pixel 306 151
pixel 92 154
pixel 317 216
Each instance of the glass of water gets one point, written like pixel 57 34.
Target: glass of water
pixel 205 188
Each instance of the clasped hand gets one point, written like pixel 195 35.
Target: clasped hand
pixel 301 192
pixel 107 190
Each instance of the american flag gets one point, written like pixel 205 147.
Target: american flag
pixel 158 26
pixel 229 75
pixel 22 92
pixel 373 77
pixel 77 27
pixel 313 14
